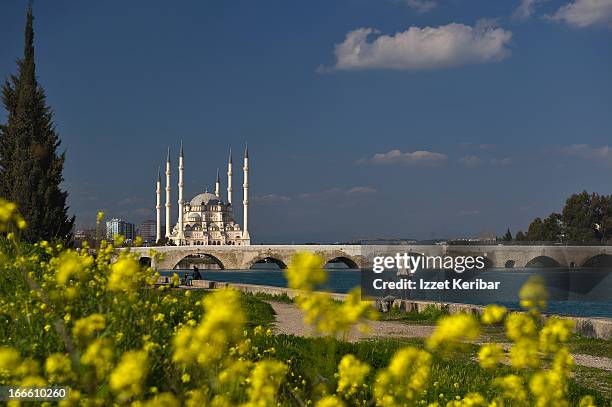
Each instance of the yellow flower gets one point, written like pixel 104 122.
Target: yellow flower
pixel 524 353
pixel 100 355
pixel 265 379
pixel 493 314
pixel 533 293
pixel 207 342
pixel 175 280
pixel 85 327
pixel 470 400
pixel 330 401
pixel 124 274
pixel 127 378
pixel 58 367
pixel 70 263
pixel 185 378
pixel 305 271
pixel 99 217
pixel 352 373
pixel 512 387
pixel 490 355
pixel 160 400
pixel 406 376
pixel 587 401
pixel 9 360
pixel 453 329
pixel 555 331
pixel 519 326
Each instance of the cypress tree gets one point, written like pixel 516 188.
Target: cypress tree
pixel 30 167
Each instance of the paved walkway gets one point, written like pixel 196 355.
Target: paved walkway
pixel 289 320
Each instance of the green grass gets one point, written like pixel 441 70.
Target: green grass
pixel 591 346
pixel 258 312
pixel 284 298
pixel 592 378
pixel 316 360
pixel 428 316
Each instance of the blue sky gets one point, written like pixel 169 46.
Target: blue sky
pixel 449 118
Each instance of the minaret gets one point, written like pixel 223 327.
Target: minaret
pixel 181 202
pixel 245 202
pixel 168 194
pixel 229 178
pixel 218 186
pixel 158 206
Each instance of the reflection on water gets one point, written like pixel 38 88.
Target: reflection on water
pixel 342 280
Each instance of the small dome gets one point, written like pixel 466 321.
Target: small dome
pixel 194 217
pixel 205 198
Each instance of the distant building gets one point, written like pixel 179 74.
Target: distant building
pixel 147 231
pixel 120 227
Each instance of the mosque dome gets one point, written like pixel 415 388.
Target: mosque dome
pixel 205 198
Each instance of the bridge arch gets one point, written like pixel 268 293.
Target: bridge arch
pixel 145 261
pixel 542 262
pixel 347 261
pixel 269 260
pixel 600 260
pixel 205 256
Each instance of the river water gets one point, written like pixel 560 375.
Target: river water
pixel 598 303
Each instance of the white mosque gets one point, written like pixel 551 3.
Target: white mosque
pixel 206 219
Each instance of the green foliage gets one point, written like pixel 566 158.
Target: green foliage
pixel 429 315
pixel 30 167
pixel 584 218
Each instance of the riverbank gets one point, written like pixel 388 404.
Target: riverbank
pixel 592 327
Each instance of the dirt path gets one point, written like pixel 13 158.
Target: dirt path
pixel 289 320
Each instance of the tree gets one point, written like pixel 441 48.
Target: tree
pixel 30 167
pixel 508 236
pixel 520 236
pixel 579 217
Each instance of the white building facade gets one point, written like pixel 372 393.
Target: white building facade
pixel 207 219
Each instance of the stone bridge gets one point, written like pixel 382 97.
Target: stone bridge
pixel 357 256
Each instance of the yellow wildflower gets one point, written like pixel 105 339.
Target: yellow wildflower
pixel 58 368
pixel 330 401
pixel 85 327
pixel 124 274
pixel 453 329
pixel 533 293
pixel 70 263
pixel 490 355
pixel 305 271
pixel 127 378
pixel 9 360
pixel 404 379
pixel 524 353
pixel 351 374
pixel 100 355
pixel 99 217
pixel 519 326
pixel 265 379
pixel 555 331
pixel 512 387
pixel 493 314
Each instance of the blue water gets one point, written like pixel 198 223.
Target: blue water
pixel 343 280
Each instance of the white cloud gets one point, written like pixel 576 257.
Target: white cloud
pixel 422 48
pixel 338 192
pixel 422 6
pixel 271 198
pixel 585 13
pixel 525 9
pixel 407 158
pixel 602 155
